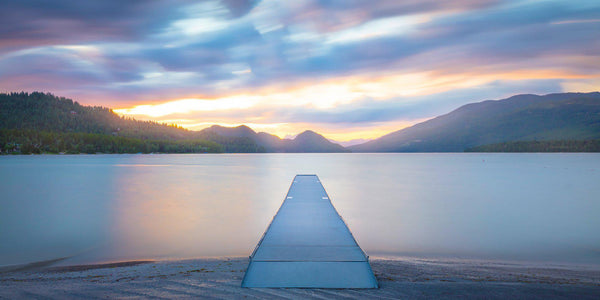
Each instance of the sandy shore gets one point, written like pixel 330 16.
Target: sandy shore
pixel 406 278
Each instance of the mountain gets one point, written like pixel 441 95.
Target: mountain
pixel 310 141
pixel 46 112
pixel 307 141
pixel 351 142
pixel 43 123
pixel 242 131
pixel 553 117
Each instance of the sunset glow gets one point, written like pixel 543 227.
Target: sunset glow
pixel 346 70
pixel 259 107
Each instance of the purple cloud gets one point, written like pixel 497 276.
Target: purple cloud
pixel 120 52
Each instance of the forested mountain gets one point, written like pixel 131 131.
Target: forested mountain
pixel 45 112
pixel 555 117
pixel 43 123
pixel 310 141
pixel 307 141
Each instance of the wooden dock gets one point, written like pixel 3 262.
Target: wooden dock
pixel 308 245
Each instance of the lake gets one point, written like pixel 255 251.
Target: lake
pixel 100 208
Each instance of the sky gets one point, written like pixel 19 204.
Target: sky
pixel 347 69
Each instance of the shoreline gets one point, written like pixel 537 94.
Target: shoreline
pixel 402 277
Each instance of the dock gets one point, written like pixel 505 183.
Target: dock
pixel 308 245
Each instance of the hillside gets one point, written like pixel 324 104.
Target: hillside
pixel 43 123
pixel 310 141
pixel 553 117
pixel 46 112
pixel 307 141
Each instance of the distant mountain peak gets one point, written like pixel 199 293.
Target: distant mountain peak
pixel 239 127
pixel 310 141
pixel 308 133
pixel 351 142
pixel 238 131
pixel 307 141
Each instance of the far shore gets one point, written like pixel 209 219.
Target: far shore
pixel 405 278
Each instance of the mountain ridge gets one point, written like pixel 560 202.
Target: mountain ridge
pixel 42 123
pixel 307 141
pixel 574 116
pixel 554 121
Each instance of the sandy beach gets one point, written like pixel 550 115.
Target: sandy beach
pixel 220 278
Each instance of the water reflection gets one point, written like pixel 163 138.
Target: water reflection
pixel 186 210
pixel 120 207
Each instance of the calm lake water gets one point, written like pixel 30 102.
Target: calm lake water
pixel 100 208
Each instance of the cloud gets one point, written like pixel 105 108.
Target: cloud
pixel 367 117
pixel 330 62
pixel 41 23
pixel 239 8
pixel 336 15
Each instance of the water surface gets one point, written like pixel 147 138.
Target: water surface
pixel 97 208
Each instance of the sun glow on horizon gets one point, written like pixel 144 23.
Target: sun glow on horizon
pixel 339 68
pixel 271 109
pixel 330 93
pixel 188 105
pixel 263 110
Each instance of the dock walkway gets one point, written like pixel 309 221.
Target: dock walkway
pixel 308 244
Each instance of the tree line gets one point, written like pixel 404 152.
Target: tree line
pixel 541 146
pixel 25 141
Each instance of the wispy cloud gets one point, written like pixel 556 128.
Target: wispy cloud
pixel 327 65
